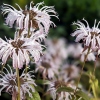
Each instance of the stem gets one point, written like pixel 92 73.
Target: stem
pixel 82 69
pixel 26 69
pixel 95 65
pixel 93 72
pixel 2 68
pixel 29 28
pixel 28 33
pixel 18 82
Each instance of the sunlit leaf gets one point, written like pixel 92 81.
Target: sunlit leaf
pixel 83 95
pixel 35 96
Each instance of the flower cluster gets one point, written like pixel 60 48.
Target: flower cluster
pixel 28 46
pixel 31 23
pixel 32 26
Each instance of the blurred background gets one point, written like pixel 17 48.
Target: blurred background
pixel 68 11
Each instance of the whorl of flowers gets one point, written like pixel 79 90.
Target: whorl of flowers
pixel 8 82
pixel 32 26
pixel 19 50
pixel 33 17
pixel 89 36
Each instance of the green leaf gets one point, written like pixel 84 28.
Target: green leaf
pixel 65 89
pixel 94 85
pixel 83 95
pixel 35 96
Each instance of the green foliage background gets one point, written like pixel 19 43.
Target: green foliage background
pixel 68 11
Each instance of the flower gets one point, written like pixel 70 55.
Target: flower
pixel 8 82
pixel 47 66
pixel 33 18
pixel 57 49
pixel 69 71
pixel 74 50
pixel 89 36
pixel 20 50
pixel 77 51
pixel 90 57
pixel 53 86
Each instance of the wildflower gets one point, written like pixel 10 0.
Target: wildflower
pixel 57 49
pixel 90 57
pixel 20 50
pixel 53 86
pixel 69 71
pixel 89 36
pixel 34 18
pixel 80 52
pixel 47 66
pixel 74 50
pixel 9 84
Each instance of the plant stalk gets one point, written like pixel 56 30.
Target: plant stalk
pixel 82 69
pixel 18 83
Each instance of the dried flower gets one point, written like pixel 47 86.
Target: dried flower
pixel 89 36
pixel 19 50
pixel 33 18
pixel 9 84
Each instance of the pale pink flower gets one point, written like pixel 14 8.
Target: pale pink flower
pixel 74 50
pixel 57 48
pixel 77 51
pixel 34 17
pixel 90 57
pixel 53 86
pixel 69 71
pixel 9 84
pixel 20 50
pixel 47 66
pixel 89 36
pixel 38 35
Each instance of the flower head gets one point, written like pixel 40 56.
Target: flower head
pixel 57 49
pixel 53 86
pixel 47 66
pixel 8 82
pixel 33 18
pixel 89 36
pixel 20 50
pixel 69 72
pixel 77 51
pixel 90 57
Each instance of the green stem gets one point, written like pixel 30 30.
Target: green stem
pixel 26 69
pixel 28 33
pixel 18 82
pixel 2 68
pixel 95 65
pixel 82 69
pixel 93 73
